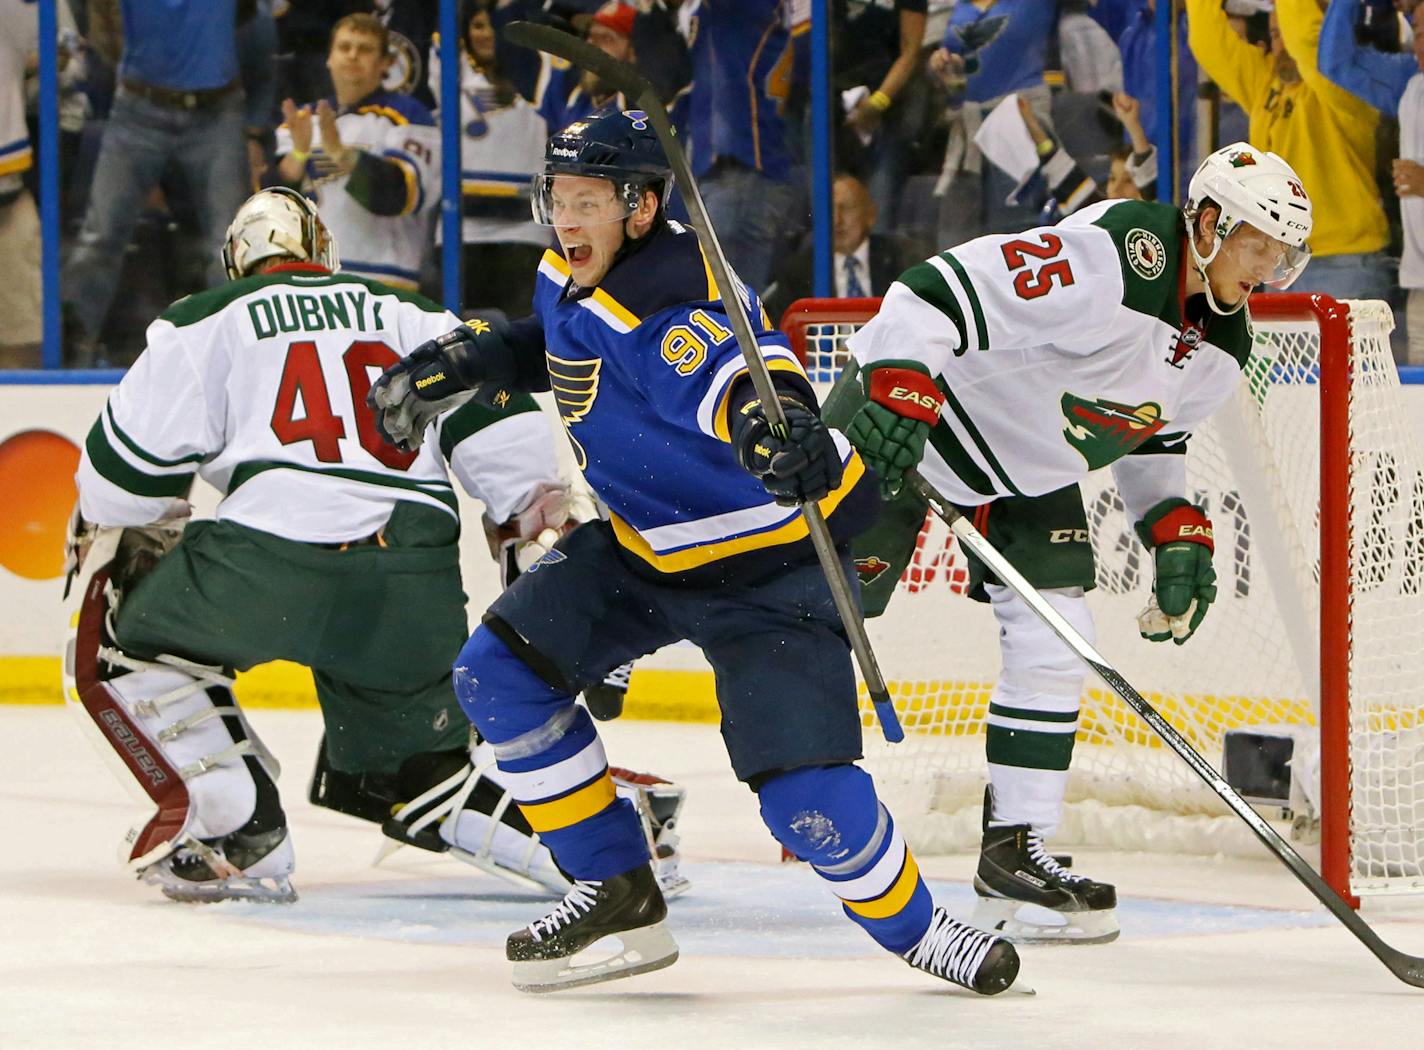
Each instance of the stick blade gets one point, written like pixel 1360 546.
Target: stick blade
pixel 619 75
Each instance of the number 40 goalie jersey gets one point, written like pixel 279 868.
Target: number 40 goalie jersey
pixel 1061 350
pixel 260 386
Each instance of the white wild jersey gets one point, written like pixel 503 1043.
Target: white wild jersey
pixel 1061 350
pixel 260 388
pixel 399 130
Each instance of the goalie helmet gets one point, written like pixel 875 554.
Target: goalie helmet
pixel 277 221
pixel 609 143
pixel 1260 189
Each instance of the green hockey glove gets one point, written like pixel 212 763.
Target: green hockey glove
pixel 891 428
pixel 1184 587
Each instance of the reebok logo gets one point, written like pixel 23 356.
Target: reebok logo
pixel 438 377
pixel 901 393
pixel 561 151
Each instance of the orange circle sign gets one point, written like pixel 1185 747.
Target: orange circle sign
pixel 37 476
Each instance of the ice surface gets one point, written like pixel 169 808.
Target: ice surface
pixel 1214 952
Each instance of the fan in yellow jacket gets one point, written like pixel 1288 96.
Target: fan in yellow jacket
pixel 1326 134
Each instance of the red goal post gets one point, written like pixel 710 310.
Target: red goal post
pixel 1323 602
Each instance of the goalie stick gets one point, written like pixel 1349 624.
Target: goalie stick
pixel 630 83
pixel 1408 968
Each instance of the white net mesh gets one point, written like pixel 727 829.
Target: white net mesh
pixel 1255 661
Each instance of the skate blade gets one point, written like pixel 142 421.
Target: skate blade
pixel 998 915
pixel 644 950
pixel 256 891
pixel 521 879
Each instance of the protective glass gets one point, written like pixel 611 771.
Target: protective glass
pixel 1261 254
pixel 577 200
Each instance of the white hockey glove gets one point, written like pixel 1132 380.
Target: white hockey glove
pixel 555 510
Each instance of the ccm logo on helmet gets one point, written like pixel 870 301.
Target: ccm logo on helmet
pixel 901 393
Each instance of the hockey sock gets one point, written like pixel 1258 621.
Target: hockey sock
pixel 830 817
pixel 1033 712
pixel 553 762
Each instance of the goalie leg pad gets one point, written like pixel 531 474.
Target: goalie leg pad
pixel 1033 717
pixel 180 740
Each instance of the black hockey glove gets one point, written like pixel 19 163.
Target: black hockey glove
pixel 436 376
pixel 800 467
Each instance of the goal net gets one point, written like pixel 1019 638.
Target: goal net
pixel 1316 637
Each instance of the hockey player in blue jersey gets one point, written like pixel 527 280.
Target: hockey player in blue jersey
pixel 705 541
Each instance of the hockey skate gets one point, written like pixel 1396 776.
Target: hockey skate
pixel 628 907
pixel 605 699
pixel 962 955
pixel 242 866
pixel 1015 870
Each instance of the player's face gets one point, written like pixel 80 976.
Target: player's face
pixel 480 37
pixel 1248 258
pixel 588 220
pixel 356 63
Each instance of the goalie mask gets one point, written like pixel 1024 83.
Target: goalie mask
pixel 609 144
pixel 1259 189
pixel 277 222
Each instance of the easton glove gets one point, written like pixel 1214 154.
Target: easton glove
pixel 437 375
pixel 1179 535
pixel 891 428
pixel 798 468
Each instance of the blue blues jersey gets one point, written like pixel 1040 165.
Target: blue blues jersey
pixel 741 75
pixel 643 368
pixel 1010 39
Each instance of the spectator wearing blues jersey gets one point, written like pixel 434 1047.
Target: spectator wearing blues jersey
pixel 502 140
pixel 367 156
pixel 741 76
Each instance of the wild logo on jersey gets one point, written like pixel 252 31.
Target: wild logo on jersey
pixel 1104 431
pixel 575 386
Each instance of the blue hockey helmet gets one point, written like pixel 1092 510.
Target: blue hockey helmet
pixel 610 143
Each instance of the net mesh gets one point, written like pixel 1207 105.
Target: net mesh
pixel 1254 664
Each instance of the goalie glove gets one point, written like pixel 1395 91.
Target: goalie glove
pixel 436 376
pixel 891 428
pixel 1184 586
pixel 799 468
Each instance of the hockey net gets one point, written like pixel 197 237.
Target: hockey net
pixel 1317 634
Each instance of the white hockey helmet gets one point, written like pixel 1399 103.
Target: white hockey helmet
pixel 1259 188
pixel 277 221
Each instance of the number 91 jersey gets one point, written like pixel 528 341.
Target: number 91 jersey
pixel 260 386
pixel 1060 350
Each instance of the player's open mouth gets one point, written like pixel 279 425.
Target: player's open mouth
pixel 579 253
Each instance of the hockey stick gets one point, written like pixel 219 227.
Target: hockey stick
pixel 630 83
pixel 1408 968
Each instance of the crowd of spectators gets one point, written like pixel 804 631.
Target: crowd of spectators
pixel 340 98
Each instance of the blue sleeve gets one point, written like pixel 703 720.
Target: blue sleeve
pixel 1371 75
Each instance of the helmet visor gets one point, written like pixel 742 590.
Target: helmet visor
pixel 1270 261
pixel 578 200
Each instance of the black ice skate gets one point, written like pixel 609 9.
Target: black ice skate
pixel 1015 870
pixel 245 865
pixel 627 907
pixel 965 956
pixel 605 698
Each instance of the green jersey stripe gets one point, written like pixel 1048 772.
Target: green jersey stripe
pixel 981 328
pixel 114 468
pixel 1032 715
pixel 976 437
pixel 472 417
pixel 438 490
pixel 929 284
pixel 946 442
pixel 134 447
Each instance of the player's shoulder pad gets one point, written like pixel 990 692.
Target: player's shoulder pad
pixel 668 271
pixel 404 295
pixel 1148 238
pixel 201 305
pixel 397 107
